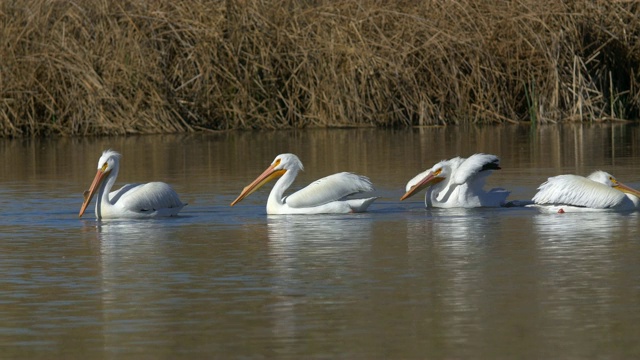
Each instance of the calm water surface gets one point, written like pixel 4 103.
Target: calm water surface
pixel 398 281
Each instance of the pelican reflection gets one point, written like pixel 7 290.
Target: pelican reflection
pixel 309 256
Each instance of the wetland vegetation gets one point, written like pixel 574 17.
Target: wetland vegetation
pixel 135 66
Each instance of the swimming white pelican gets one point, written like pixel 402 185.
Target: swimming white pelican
pixel 574 193
pixel 458 183
pixel 325 196
pixel 132 201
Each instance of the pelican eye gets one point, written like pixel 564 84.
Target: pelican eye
pixel 437 172
pixel 276 162
pixel 104 167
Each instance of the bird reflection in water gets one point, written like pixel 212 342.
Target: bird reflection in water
pixel 310 257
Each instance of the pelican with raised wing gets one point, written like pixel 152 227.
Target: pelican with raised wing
pixel 132 201
pixel 325 196
pixel 596 192
pixel 458 183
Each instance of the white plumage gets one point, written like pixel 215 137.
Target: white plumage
pixel 132 201
pixel 459 182
pixel 573 193
pixel 324 196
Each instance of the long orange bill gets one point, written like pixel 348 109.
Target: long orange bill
pixel 269 174
pixel 625 189
pixel 428 180
pixel 88 195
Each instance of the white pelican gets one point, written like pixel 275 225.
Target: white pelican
pixel 325 196
pixel 132 201
pixel 458 183
pixel 574 193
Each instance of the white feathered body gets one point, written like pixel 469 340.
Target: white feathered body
pixel 324 196
pixel 462 183
pixel 574 193
pixel 328 195
pixel 139 201
pixel 132 201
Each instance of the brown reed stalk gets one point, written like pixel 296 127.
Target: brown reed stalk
pixel 132 66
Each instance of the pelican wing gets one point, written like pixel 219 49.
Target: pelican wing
pixel 577 191
pixel 473 165
pixel 146 197
pixel 331 188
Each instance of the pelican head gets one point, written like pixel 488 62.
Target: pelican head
pixel 282 164
pixel 109 162
pixel 609 180
pixel 431 177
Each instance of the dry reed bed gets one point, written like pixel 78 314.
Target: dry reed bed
pixel 115 67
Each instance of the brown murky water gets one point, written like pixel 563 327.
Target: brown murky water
pixel 396 282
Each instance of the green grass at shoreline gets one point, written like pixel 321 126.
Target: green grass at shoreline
pixel 124 67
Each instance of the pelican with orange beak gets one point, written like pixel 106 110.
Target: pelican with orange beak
pixel 132 201
pixel 596 192
pixel 328 195
pixel 458 183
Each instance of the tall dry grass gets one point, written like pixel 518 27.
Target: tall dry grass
pixel 148 66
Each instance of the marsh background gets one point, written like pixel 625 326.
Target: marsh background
pixel 134 66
